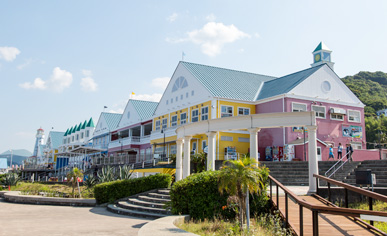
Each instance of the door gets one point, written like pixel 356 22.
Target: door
pixel 319 154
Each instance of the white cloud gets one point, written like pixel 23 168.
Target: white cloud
pixel 118 110
pixel 212 37
pixel 25 64
pixel 88 84
pixel 160 83
pixel 59 80
pixel 172 17
pixel 241 50
pixel 211 17
pixel 37 84
pixel 155 97
pixel 257 35
pixel 9 53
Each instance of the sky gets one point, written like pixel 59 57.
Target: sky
pixel 61 62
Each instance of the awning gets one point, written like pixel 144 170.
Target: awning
pixel 301 142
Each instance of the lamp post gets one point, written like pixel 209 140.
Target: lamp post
pixel 163 132
pixel 10 164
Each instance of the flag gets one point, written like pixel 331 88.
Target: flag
pixel 133 93
pixel 104 106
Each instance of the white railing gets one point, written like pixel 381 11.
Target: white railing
pixel 339 163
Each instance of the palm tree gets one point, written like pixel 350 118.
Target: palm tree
pixel 236 177
pixel 73 176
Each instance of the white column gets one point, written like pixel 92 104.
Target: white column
pixel 254 143
pixel 312 160
pixel 179 157
pixel 187 158
pixel 211 150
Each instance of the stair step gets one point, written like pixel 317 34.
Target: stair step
pixel 134 207
pixel 152 199
pixel 145 203
pixel 118 210
pixel 158 195
pixel 164 191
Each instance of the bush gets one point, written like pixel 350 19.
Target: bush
pixel 198 195
pixel 111 191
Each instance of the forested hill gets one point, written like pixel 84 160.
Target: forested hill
pixel 370 88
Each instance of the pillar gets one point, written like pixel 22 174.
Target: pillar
pixel 179 159
pixel 254 143
pixel 211 150
pixel 187 158
pixel 312 160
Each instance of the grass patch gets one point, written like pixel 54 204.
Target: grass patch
pixel 377 206
pixel 51 189
pixel 263 225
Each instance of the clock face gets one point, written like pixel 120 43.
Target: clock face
pixel 317 58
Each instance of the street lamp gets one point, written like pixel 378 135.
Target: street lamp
pixel 10 165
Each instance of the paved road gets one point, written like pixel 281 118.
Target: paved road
pixel 23 219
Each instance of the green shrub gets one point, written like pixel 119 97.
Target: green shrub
pixel 198 195
pixel 111 191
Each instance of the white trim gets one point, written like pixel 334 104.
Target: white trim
pixel 243 111
pixel 232 112
pixel 166 123
pixel 325 111
pixel 330 116
pixel 201 113
pixel 316 99
pixel 175 115
pixel 197 109
pixel 185 117
pixel 349 110
pixel 300 103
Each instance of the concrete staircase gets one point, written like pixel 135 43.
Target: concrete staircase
pixel 146 205
pixel 295 173
pixel 377 167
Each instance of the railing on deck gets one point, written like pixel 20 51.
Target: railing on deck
pixel 323 209
pixel 339 163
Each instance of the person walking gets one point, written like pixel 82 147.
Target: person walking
pixel 339 151
pixel 331 153
pixel 349 151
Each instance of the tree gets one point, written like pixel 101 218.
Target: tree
pixel 73 176
pixel 236 177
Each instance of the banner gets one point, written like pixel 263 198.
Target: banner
pixel 352 131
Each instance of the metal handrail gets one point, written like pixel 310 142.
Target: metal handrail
pixel 318 208
pixel 339 161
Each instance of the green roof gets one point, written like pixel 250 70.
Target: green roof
pixel 70 131
pixel 66 132
pixel 321 46
pixel 90 123
pixel 79 127
pixel 286 83
pixel 75 129
pixel 112 119
pixel 145 109
pixel 227 83
pixel 84 125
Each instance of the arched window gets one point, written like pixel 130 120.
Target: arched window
pixel 180 83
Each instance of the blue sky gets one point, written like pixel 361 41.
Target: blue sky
pixel 61 62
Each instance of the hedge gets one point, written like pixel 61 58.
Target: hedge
pixel 198 196
pixel 111 191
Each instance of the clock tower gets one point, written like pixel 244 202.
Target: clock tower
pixel 322 55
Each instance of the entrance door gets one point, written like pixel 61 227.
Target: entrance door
pixel 319 154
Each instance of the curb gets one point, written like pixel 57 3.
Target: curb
pixel 15 197
pixel 165 227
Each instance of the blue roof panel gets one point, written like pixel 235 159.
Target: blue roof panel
pixel 145 109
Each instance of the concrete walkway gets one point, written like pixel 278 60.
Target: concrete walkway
pixel 24 219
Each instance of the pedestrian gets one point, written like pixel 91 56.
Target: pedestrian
pixel 331 153
pixel 339 151
pixel 349 152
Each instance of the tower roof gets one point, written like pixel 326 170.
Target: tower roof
pixel 90 123
pixel 66 132
pixel 84 125
pixel 79 127
pixel 75 128
pixel 322 46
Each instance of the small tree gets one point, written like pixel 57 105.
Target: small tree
pixel 236 177
pixel 11 179
pixel 73 176
pixel 124 172
pixel 106 174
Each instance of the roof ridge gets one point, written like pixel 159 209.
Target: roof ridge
pixel 315 67
pixel 227 69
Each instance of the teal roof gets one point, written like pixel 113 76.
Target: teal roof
pixel 75 129
pixel 145 109
pixel 227 83
pixel 66 132
pixel 90 123
pixel 286 83
pixel 84 125
pixel 79 127
pixel 70 131
pixel 56 139
pixel 112 119
pixel 321 46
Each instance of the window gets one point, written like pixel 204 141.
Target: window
pixel 124 133
pixel 166 102
pixel 171 100
pixel 176 98
pixel 337 116
pixel 181 97
pixel 243 111
pixel 82 135
pixel 173 121
pixel 165 123
pixel 68 140
pixel 72 139
pixel 195 115
pixel 356 145
pixel 243 140
pixel 204 144
pixel 320 111
pixel 194 146
pixel 183 118
pixel 77 137
pixel 226 138
pixel 157 126
pixel 226 111
pixel 192 93
pixel 297 107
pixel 353 116
pixel 186 95
pixel 204 113
pixel 180 83
pixel 87 133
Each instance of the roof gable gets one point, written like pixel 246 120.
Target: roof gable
pixel 137 111
pixel 56 138
pixel 106 123
pixel 284 84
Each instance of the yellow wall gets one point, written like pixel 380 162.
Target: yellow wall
pixel 235 106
